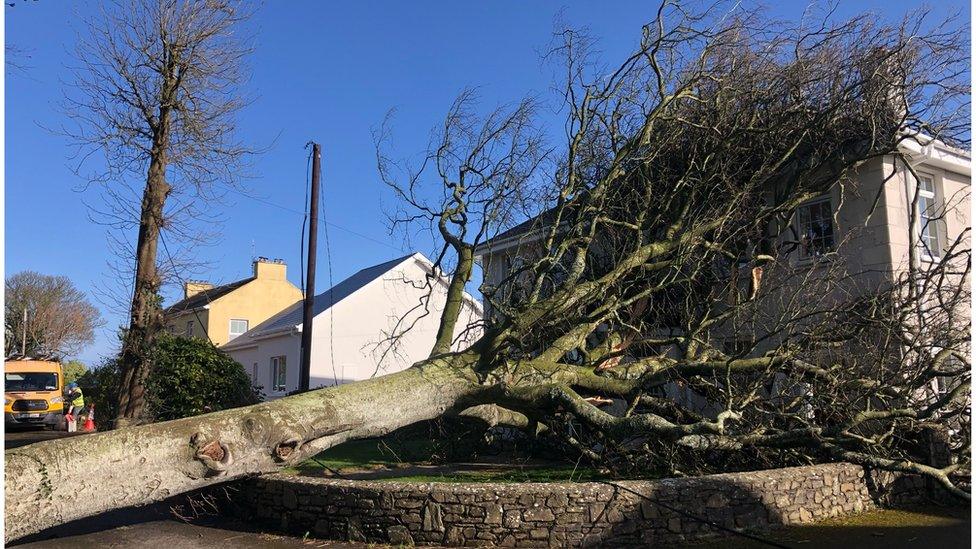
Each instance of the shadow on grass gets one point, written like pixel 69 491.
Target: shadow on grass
pixel 917 526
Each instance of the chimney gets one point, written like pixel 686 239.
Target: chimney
pixel 883 72
pixel 193 287
pixel 269 269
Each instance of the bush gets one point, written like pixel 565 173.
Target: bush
pixel 101 388
pixel 189 377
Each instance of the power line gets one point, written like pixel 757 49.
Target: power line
pixel 328 258
pixel 196 314
pixel 329 223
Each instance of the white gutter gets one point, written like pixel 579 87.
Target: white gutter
pixel 515 240
pixel 284 330
pixel 932 152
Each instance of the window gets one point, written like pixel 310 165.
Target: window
pixel 30 381
pixel 254 373
pixel 816 228
pixel 928 218
pixel 189 328
pixel 237 327
pixel 279 373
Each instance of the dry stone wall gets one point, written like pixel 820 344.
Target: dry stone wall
pixel 589 514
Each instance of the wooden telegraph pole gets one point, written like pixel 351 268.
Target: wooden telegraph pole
pixel 23 340
pixel 313 207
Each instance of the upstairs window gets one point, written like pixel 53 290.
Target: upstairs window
pixel 189 329
pixel 815 225
pixel 237 327
pixel 928 216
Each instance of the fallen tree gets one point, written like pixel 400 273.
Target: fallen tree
pixel 667 230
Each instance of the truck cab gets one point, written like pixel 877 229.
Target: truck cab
pixel 33 392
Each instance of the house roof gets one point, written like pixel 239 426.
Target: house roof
pixel 204 297
pixel 517 234
pixel 292 317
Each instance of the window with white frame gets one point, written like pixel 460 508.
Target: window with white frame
pixel 815 225
pixel 928 218
pixel 279 373
pixel 237 327
pixel 189 328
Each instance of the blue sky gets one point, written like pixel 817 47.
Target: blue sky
pixel 323 71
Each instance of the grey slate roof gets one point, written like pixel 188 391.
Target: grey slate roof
pixel 292 316
pixel 206 296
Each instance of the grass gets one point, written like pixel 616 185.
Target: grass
pixel 368 454
pixel 359 455
pixel 534 474
pixel 920 526
pixel 398 453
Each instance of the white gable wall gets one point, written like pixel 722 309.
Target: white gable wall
pixel 352 331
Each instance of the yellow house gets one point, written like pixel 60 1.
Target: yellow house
pixel 222 313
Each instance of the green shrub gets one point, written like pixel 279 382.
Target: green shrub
pixel 189 377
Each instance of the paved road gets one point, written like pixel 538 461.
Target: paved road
pixel 20 436
pixel 173 534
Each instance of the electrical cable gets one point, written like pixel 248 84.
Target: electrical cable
pixel 196 314
pixel 328 258
pixel 333 225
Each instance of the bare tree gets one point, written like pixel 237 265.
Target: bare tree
pixel 60 320
pixel 669 225
pixel 477 177
pixel 155 97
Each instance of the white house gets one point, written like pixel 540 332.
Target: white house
pixel 353 323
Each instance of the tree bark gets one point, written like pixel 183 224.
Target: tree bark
pixel 455 299
pixel 54 482
pixel 145 317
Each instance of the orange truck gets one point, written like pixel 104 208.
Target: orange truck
pixel 33 392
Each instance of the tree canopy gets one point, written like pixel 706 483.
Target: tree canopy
pixel 60 319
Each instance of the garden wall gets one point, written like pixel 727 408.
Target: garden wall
pixel 588 514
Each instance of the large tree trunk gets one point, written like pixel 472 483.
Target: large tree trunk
pixel 53 482
pixel 145 317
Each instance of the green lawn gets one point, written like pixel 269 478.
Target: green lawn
pixel 515 474
pixel 387 455
pixel 922 526
pixel 367 454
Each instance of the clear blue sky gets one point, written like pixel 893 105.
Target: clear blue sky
pixel 324 71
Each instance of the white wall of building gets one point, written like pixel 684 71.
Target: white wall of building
pixel 349 338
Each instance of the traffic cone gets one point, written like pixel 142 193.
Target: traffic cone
pixel 90 422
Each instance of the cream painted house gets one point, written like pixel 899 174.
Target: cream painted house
pixel 222 313
pixel 869 229
pixel 864 226
pixel 352 323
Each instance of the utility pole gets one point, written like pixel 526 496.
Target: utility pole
pixel 305 372
pixel 23 339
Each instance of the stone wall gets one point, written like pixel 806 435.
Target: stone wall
pixel 587 514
